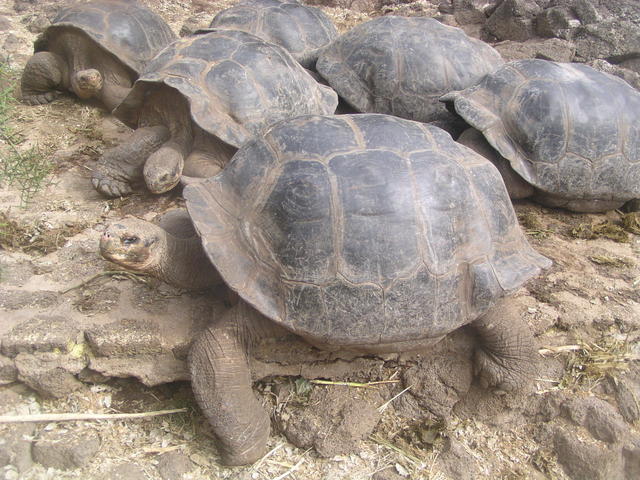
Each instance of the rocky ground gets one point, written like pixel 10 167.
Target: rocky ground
pixel 78 336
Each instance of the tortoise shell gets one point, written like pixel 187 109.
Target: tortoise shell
pixel 401 66
pixel 236 84
pixel 129 31
pixel 362 229
pixel 299 29
pixel 570 131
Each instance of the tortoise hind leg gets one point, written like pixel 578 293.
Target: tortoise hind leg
pixel 123 165
pixel 505 358
pixel 221 382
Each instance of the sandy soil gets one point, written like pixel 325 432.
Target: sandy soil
pixel 443 426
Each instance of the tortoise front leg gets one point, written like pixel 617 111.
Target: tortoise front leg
pixel 112 95
pixel 506 357
pixel 221 382
pixel 122 165
pixel 43 76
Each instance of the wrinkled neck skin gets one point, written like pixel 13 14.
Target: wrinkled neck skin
pixel 166 106
pixel 185 264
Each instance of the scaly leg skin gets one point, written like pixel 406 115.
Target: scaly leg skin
pixel 122 165
pixel 221 382
pixel 112 95
pixel 505 359
pixel 43 74
pixel 199 166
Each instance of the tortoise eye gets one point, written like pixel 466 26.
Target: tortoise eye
pixel 130 240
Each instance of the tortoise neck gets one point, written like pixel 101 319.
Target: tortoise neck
pixel 186 265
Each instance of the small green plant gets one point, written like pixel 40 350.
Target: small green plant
pixel 26 169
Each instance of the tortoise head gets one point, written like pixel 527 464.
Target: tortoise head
pixel 87 83
pixel 133 243
pixel 163 168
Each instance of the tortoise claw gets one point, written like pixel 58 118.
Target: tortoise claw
pixel 110 187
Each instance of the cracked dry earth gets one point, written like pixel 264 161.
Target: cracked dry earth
pixel 77 336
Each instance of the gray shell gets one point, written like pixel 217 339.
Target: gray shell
pixel 299 29
pixel 570 131
pixel 401 66
pixel 129 31
pixel 236 84
pixel 362 229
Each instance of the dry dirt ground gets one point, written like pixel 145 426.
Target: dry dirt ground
pixel 578 417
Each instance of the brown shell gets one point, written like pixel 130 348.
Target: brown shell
pixel 236 84
pixel 129 31
pixel 362 229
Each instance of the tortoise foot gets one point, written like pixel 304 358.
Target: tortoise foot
pixel 111 187
pixel 41 98
pixel 502 374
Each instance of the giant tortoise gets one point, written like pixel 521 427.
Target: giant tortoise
pixel 401 66
pixel 96 50
pixel 200 99
pixel 300 29
pixel 356 232
pixel 563 133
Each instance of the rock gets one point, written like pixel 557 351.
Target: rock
pixel 151 370
pixel 554 49
pixel 91 376
pixel 41 334
pixel 38 23
pixel 513 20
pixel 631 458
pixel 586 460
pixel 627 394
pixel 558 22
pixel 5 24
pixel 389 473
pixel 8 371
pixel 355 5
pixel 15 446
pixel 193 23
pixel 126 471
pixel 13 43
pixel 586 12
pixel 50 374
pixel 335 421
pixel 125 338
pixel 65 450
pixel 631 64
pixel 456 462
pixel 473 11
pixel 13 299
pixel 173 465
pixel 446 7
pixel 439 383
pixel 597 416
pixel 632 78
pixel 609 39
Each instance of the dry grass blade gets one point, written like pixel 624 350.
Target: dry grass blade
pixel 135 276
pixel 70 417
pixel 384 406
pixel 593 361
pixel 353 384
pixel 292 469
pixel 560 349
pixel 611 261
pixel 381 441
